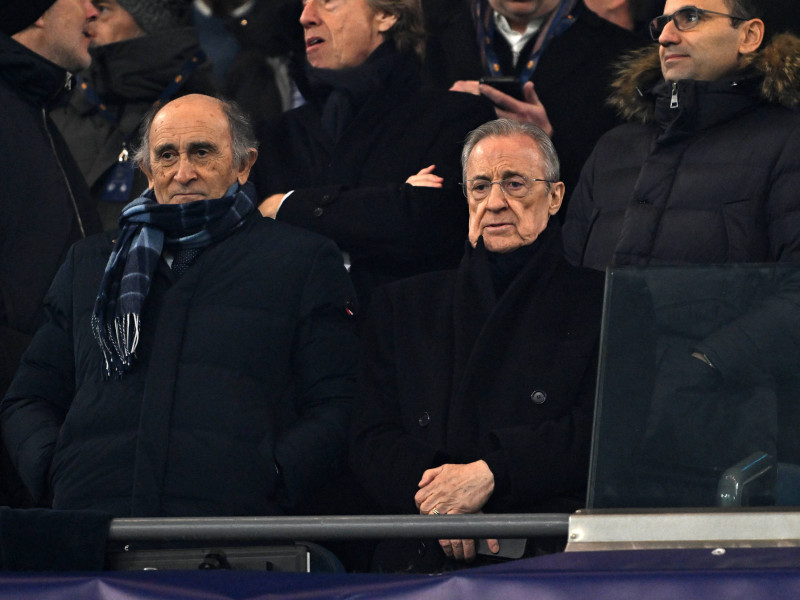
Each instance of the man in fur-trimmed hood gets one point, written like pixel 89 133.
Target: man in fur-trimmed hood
pixel 708 167
pixel 706 171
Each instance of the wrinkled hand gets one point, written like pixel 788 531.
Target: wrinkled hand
pixel 466 550
pixel 530 111
pixel 455 489
pixel 269 207
pixel 426 178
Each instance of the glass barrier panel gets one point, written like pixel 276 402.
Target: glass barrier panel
pixel 698 396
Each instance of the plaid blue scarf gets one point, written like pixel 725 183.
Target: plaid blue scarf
pixel 146 228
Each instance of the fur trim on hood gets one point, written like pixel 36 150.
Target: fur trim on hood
pixel 778 63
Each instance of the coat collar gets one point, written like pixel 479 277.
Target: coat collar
pixel 769 76
pixel 477 310
pixel 140 69
pixel 33 77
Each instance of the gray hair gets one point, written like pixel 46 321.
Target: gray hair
pixel 242 136
pixel 408 33
pixel 510 128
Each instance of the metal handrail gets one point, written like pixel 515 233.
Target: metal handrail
pixel 259 529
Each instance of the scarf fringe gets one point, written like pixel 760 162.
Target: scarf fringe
pixel 146 227
pixel 119 344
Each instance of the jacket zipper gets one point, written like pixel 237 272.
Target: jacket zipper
pixel 63 173
pixel 673 103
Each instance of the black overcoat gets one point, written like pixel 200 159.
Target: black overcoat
pixel 246 363
pixel 354 190
pixel 454 374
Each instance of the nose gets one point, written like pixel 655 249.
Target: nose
pixel 669 35
pixel 91 11
pixel 186 171
pixel 309 16
pixel 496 201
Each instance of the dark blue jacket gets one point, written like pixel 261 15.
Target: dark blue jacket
pixel 238 400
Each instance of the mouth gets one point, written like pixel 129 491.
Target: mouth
pixel 673 57
pixel 313 41
pixel 496 227
pixel 182 197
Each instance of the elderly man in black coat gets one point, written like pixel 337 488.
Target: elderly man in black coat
pixel 477 389
pixel 212 373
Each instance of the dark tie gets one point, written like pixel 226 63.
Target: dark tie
pixel 184 259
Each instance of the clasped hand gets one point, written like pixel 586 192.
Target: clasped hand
pixel 457 489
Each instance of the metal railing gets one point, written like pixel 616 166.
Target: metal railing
pixel 259 529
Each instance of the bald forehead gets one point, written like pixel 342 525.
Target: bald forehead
pixel 189 110
pixel 191 121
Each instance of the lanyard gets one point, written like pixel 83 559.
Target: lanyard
pixel 560 20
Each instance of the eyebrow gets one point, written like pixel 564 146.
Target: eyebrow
pixel 193 147
pixel 504 175
pixel 204 145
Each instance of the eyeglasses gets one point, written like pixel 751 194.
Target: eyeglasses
pixel 685 18
pixel 517 186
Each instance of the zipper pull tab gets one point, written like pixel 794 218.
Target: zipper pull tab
pixel 673 103
pixel 68 82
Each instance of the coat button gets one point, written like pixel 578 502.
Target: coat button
pixel 326 199
pixel 424 419
pixel 318 211
pixel 538 397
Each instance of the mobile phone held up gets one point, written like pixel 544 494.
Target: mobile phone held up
pixel 507 85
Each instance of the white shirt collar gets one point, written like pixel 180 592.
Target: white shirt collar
pixel 515 39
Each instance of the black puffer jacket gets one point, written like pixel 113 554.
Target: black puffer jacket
pixel 43 199
pixel 713 180
pixel 245 363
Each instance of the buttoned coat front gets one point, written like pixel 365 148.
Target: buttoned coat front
pixel 453 374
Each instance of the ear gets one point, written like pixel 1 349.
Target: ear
pixel 385 21
pixel 147 174
pixel 556 196
pixel 752 36
pixel 244 172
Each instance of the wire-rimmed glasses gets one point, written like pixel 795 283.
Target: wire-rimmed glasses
pixel 517 186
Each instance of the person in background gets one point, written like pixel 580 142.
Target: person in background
pixel 143 52
pixel 257 51
pixel 371 161
pixel 45 204
pixel 558 53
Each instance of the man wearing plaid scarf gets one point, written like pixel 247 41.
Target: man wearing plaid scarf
pixel 199 360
